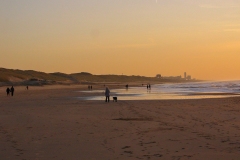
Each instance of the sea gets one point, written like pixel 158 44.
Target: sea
pixel 166 91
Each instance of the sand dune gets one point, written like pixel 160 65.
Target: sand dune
pixel 51 123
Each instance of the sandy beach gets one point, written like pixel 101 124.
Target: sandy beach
pixel 46 123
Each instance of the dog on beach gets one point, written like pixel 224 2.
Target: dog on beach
pixel 114 99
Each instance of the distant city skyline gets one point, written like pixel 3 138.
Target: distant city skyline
pixel 133 37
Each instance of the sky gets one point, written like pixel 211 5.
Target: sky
pixel 130 37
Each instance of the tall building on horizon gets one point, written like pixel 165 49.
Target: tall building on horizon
pixel 185 75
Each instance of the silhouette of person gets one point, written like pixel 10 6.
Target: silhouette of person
pixel 107 94
pixel 91 87
pixel 12 90
pixel 27 87
pixel 8 91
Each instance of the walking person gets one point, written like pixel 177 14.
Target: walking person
pixel 107 94
pixel 12 90
pixel 8 91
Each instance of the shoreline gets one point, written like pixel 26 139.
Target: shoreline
pixel 48 123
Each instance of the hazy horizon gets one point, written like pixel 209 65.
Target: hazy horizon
pixel 130 37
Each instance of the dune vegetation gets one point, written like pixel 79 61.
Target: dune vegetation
pixel 31 77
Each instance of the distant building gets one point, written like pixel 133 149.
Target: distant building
pixel 173 77
pixel 185 77
pixel 158 76
pixel 188 77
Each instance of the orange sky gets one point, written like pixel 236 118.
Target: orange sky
pixel 132 37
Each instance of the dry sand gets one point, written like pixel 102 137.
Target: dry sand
pixel 49 123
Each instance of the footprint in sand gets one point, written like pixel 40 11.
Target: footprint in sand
pixel 126 147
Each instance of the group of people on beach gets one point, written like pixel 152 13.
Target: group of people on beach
pixel 107 91
pixel 148 86
pixel 89 87
pixel 10 90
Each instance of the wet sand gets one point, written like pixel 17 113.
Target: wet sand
pixel 49 123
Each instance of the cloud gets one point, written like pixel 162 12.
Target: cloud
pixel 148 43
pixel 127 46
pixel 232 30
pixel 232 25
pixel 211 6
